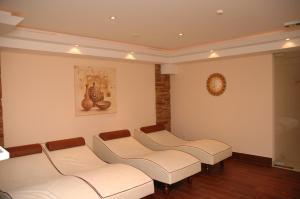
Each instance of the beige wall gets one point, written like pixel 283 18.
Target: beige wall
pixel 38 97
pixel 241 117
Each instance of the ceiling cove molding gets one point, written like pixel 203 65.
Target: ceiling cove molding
pixel 68 49
pixel 31 39
pixel 267 42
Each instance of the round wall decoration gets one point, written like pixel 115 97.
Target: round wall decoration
pixel 216 84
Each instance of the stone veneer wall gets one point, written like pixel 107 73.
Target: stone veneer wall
pixel 162 89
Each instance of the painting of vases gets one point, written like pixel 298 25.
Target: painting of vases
pixel 95 90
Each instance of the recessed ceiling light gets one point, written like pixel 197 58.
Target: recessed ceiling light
pixel 112 17
pixel 130 56
pixel 74 50
pixel 287 39
pixel 220 12
pixel 180 34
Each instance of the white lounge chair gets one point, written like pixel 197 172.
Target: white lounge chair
pixel 29 174
pixel 111 181
pixel 165 166
pixel 207 150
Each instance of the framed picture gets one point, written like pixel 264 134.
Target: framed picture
pixel 95 90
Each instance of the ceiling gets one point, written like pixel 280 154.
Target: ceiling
pixel 156 23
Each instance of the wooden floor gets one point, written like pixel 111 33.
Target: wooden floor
pixel 237 180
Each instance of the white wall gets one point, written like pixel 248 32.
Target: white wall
pixel 241 117
pixel 38 97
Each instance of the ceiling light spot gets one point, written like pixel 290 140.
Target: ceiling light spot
pixel 287 39
pixel 180 34
pixel 219 12
pixel 288 44
pixel 213 54
pixel 112 17
pixel 74 50
pixel 130 56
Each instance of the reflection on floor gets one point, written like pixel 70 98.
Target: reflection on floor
pixel 290 165
pixel 237 180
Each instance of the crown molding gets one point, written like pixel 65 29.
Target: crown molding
pixel 268 42
pixel 37 40
pixel 32 39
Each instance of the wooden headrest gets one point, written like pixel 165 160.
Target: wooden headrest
pixel 64 144
pixel 114 134
pixel 153 128
pixel 24 150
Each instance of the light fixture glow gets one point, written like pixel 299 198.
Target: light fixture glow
pixel 180 34
pixel 130 56
pixel 213 54
pixel 288 44
pixel 74 50
pixel 112 18
pixel 219 12
pixel 287 39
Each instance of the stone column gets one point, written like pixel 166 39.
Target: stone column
pixel 162 90
pixel 1 118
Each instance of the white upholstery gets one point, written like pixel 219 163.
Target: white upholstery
pixel 165 138
pixel 111 181
pixel 4 155
pixel 128 147
pixel 66 187
pixel 74 159
pixel 33 177
pixel 206 150
pixel 26 170
pixel 165 166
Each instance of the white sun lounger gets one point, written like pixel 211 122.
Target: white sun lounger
pixel 208 151
pixel 165 166
pixel 29 174
pixel 112 181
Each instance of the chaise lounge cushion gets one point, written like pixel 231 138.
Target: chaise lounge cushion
pixel 66 187
pixel 25 170
pixel 30 175
pixel 207 150
pixel 165 166
pixel 111 181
